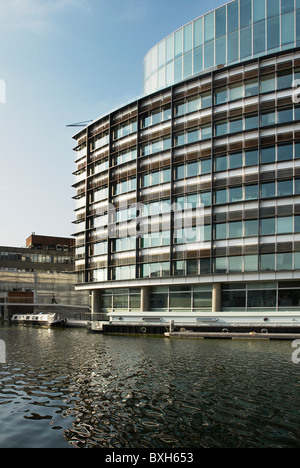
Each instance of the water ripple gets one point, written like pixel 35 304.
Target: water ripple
pixel 73 389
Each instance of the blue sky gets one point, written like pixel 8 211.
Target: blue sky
pixel 66 61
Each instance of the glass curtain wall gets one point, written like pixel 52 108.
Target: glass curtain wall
pixel 238 31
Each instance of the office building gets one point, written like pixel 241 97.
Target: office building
pixel 40 278
pixel 188 199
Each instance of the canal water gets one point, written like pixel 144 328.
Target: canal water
pixel 69 388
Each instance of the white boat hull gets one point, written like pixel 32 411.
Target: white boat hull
pixel 41 320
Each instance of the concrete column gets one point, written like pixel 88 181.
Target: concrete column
pixel 145 299
pixel 96 302
pixel 216 297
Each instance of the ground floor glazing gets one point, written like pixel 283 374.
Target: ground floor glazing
pixel 237 297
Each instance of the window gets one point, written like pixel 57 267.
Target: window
pixel 235 160
pixel 246 42
pixel 192 135
pixel 206 132
pixel 262 298
pixel 235 230
pixel 251 228
pixel 187 65
pixel 284 261
pixel 187 38
pixel 287 27
pixel 221 21
pixel 284 80
pixel 268 190
pixel 251 158
pixel 259 10
pixel 285 188
pixel 180 267
pixel 221 231
pixel 251 262
pixel 198 60
pixel 192 169
pixel 221 197
pixel 125 244
pixel 251 192
pixel 259 36
pixel 221 265
pixel 221 57
pixel 192 267
pixel 268 119
pixel 202 299
pixel 206 100
pixel 297 186
pixel 156 178
pixel 267 83
pixel 205 198
pixel 221 164
pixel 178 43
pixel 273 32
pixel 285 225
pixel 251 88
pixel 287 5
pixel 235 194
pixel 155 270
pixel 267 227
pixel 236 92
pixel 245 13
pixel 267 262
pixel 193 104
pixel 233 46
pixel 209 26
pixel 234 299
pixel 273 8
pixel 268 155
pixel 232 15
pixel 205 166
pixel 251 122
pixel 221 96
pixel 285 115
pixel 235 264
pixel 236 125
pixel 209 55
pixel 289 298
pixel 180 108
pixel 221 128
pixel 122 273
pixel 285 152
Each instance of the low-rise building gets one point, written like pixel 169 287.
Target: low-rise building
pixel 40 278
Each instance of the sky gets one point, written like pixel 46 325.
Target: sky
pixel 63 62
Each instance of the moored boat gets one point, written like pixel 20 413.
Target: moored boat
pixel 41 320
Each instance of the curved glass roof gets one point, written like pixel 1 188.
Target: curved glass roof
pixel 236 32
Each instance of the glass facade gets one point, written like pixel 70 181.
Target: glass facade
pixel 236 32
pixel 199 182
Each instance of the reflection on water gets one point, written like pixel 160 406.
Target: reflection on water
pixel 69 388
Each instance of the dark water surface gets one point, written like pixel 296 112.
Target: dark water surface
pixel 69 388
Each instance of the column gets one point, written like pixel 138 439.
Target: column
pixel 145 299
pixel 96 303
pixel 216 297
